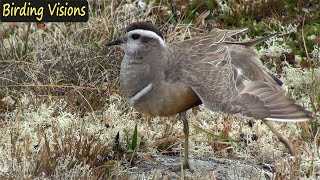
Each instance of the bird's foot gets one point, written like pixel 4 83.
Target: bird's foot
pixel 186 165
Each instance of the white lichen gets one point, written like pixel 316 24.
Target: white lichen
pixel 275 47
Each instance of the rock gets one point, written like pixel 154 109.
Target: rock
pixel 202 168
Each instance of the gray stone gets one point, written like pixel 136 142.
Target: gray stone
pixel 201 168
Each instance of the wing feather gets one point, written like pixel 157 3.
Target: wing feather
pixel 210 66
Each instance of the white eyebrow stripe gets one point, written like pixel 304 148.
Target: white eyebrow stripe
pixel 147 33
pixel 140 94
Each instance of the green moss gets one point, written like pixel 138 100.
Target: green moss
pixel 229 20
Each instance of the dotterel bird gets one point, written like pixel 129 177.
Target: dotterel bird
pixel 162 79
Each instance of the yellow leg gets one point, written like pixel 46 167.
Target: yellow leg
pixel 281 138
pixel 186 164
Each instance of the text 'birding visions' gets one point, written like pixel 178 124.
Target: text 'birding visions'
pixel 44 11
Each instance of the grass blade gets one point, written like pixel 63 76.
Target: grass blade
pixel 134 138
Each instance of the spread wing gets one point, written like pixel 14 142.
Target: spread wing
pixel 213 75
pixel 242 57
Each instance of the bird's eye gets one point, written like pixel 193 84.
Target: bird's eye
pixel 135 36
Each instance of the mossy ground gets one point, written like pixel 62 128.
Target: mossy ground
pixel 62 114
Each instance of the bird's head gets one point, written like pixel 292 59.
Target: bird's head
pixel 140 37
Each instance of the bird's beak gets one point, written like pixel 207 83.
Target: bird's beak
pixel 115 42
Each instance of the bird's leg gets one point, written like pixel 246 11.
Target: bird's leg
pixel 281 138
pixel 186 164
pixel 186 139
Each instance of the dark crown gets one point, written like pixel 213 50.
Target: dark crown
pixel 144 26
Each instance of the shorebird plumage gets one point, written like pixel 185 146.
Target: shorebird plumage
pixel 224 74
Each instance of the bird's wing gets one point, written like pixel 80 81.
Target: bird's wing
pixel 243 58
pixel 220 87
pixel 248 63
pixel 266 101
pixel 211 77
pixel 215 67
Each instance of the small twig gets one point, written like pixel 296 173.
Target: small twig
pixel 26 39
pixel 124 111
pixel 93 113
pixel 304 42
